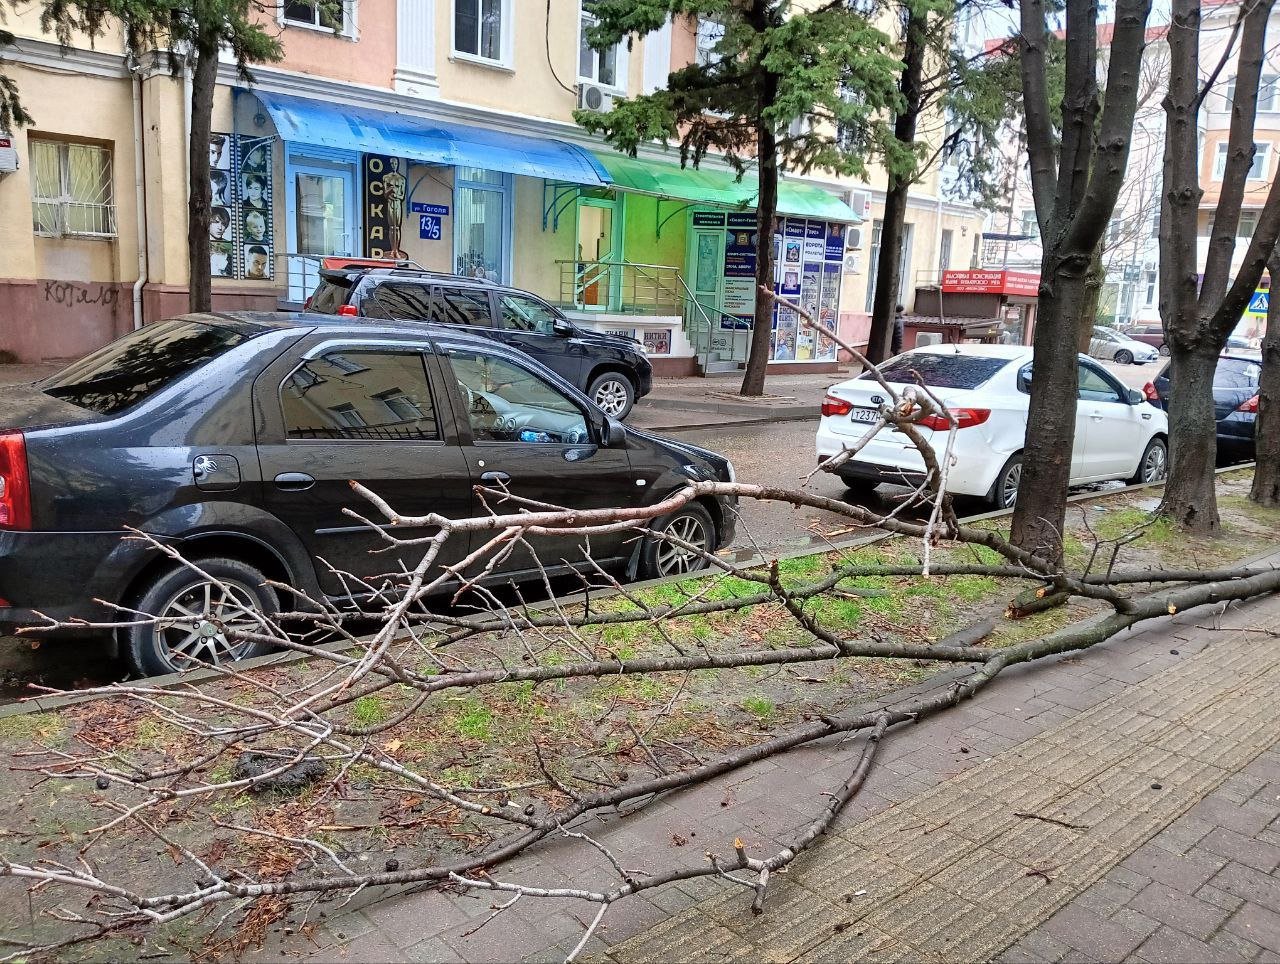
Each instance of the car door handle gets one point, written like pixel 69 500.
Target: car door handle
pixel 294 481
pixel 500 477
pixel 1096 416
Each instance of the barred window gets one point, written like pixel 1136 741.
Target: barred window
pixel 71 190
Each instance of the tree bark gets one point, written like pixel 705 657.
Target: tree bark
pixel 766 213
pixel 200 202
pixel 889 264
pixel 1266 474
pixel 1094 279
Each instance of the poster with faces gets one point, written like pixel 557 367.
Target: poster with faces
pixel 241 223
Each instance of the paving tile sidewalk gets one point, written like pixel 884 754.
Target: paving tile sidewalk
pixel 1118 803
pixel 676 403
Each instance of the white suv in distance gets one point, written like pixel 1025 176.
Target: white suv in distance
pixel 1119 434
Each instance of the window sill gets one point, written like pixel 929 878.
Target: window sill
pixel 347 34
pixel 461 56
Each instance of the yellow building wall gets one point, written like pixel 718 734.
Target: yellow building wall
pixel 535 251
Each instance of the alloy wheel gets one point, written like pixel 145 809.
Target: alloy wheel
pixel 197 623
pixel 1156 465
pixel 611 395
pixel 673 559
pixel 1009 485
pixel 1124 357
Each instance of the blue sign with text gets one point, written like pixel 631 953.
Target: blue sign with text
pixel 439 210
pixel 428 227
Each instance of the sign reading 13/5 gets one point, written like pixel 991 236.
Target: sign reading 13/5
pixel 429 227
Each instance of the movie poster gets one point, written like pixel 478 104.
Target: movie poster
pixel 242 219
pixel 386 189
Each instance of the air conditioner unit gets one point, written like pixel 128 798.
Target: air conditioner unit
pixel 8 155
pixel 860 201
pixel 853 240
pixel 594 97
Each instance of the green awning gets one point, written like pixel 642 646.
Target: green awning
pixel 720 189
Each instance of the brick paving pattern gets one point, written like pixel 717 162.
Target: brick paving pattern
pixel 1157 749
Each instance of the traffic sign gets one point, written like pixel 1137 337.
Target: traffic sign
pixel 1258 303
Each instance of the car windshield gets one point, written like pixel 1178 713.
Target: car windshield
pixel 940 371
pixel 133 368
pixel 1237 373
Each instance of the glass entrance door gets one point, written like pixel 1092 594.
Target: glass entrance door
pixel 482 230
pixel 322 222
pixel 599 283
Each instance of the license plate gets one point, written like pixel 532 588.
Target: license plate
pixel 868 415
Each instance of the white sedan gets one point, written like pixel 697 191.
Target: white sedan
pixel 1111 345
pixel 1119 434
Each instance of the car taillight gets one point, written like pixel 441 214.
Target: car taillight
pixel 1251 406
pixel 349 311
pixel 15 487
pixel 965 418
pixel 835 406
pixel 1149 390
pixel 306 305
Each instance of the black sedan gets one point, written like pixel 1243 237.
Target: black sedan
pixel 1235 401
pixel 232 438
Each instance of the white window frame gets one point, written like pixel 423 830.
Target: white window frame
pixel 620 63
pixel 506 30
pixel 348 20
pixel 1264 81
pixel 64 198
pixel 1249 217
pixel 708 29
pixel 1258 171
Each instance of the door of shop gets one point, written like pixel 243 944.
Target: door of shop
pixel 716 341
pixel 599 255
pixel 321 216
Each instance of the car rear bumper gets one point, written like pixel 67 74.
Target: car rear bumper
pixel 892 458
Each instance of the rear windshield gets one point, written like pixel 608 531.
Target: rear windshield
pixel 135 367
pixel 329 297
pixel 940 371
pixel 1241 373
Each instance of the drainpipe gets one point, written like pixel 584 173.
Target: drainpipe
pixel 140 190
pixel 186 123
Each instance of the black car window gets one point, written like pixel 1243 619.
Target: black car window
pixel 331 295
pixel 398 301
pixel 1095 388
pixel 133 368
pixel 939 370
pixel 508 403
pixel 526 314
pixel 460 307
pixel 364 395
pixel 1237 373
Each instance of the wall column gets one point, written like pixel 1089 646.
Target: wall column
pixel 416 48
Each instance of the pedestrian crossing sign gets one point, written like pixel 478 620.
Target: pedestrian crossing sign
pixel 1258 303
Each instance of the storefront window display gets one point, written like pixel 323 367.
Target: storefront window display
pixel 242 220
pixel 483 230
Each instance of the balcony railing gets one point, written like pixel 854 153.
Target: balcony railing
pixel 622 287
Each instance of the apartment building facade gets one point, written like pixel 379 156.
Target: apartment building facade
pixel 434 131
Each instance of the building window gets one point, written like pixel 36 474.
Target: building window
pixel 1029 226
pixel 1151 288
pixel 71 190
pixel 873 263
pixel 944 253
pixel 1248 224
pixel 482 224
pixel 1258 170
pixel 1268 93
pixel 480 29
pixel 605 67
pixel 335 16
pixel 1113 233
pixel 710 33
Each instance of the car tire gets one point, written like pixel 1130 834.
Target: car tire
pixel 613 393
pixel 151 649
pixel 1164 351
pixel 1124 357
pixel 1004 490
pixel 694 525
pixel 859 487
pixel 1154 464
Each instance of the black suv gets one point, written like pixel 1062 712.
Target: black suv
pixel 612 371
pixel 233 439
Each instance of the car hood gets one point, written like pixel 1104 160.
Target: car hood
pixel 704 462
pixel 613 341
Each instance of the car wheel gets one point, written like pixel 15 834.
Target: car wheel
pixel 1004 493
pixel 197 612
pixel 1154 465
pixel 613 393
pixel 859 488
pixel 1124 357
pixel 693 525
pixel 1164 350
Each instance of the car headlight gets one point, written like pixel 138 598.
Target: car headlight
pixel 728 467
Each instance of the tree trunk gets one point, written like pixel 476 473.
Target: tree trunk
pixel 1094 279
pixel 1040 513
pixel 889 263
pixel 199 207
pixel 766 212
pixel 1190 498
pixel 1266 474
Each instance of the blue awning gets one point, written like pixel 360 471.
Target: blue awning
pixel 303 121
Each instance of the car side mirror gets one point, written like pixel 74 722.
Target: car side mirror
pixel 562 328
pixel 612 434
pixel 1136 397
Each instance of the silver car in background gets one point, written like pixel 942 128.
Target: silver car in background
pixel 1112 345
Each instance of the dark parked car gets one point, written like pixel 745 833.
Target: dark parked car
pixel 1235 400
pixel 1153 335
pixel 612 371
pixel 233 437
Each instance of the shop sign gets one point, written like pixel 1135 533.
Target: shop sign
pixel 385 190
pixel 739 272
pixel 658 342
pixel 708 219
pixel 242 216
pixel 1022 283
pixel 421 207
